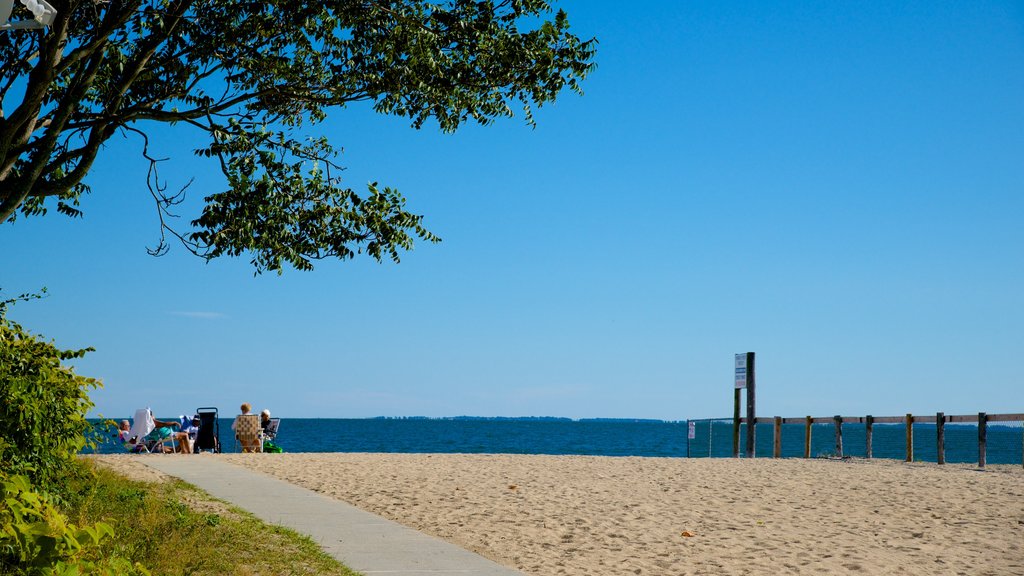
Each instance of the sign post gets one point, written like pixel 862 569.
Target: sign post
pixel 735 405
pixel 744 379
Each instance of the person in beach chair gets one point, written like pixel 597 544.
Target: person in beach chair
pixel 124 431
pixel 190 426
pixel 128 440
pixel 208 436
pixel 270 426
pixel 248 432
pixel 142 425
pixel 147 434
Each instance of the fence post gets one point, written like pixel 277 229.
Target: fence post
pixel 868 425
pixel 777 452
pixel 910 437
pixel 982 432
pixel 807 437
pixel 839 435
pixel 940 438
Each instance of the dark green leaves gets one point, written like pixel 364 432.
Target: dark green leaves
pixel 284 206
pixel 252 76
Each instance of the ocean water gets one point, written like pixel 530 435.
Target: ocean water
pixel 615 438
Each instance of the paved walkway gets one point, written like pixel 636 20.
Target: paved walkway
pixel 362 541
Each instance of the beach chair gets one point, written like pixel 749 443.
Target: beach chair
pixel 208 437
pixel 141 434
pixel 271 432
pixel 248 433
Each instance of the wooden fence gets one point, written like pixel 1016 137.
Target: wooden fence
pixel 940 419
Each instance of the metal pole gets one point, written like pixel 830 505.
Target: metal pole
pixel 711 426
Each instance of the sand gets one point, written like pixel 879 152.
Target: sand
pixel 575 515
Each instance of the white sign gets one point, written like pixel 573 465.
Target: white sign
pixel 692 432
pixel 741 370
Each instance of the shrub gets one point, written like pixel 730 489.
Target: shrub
pixel 36 539
pixel 42 405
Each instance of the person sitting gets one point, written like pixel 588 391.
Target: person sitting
pixel 124 432
pixel 130 441
pixel 190 426
pixel 249 442
pixel 268 431
pixel 165 429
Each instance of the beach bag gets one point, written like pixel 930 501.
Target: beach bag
pixel 272 448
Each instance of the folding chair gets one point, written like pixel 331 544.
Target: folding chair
pixel 142 430
pixel 271 432
pixel 248 433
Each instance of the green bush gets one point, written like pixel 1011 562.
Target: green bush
pixel 36 539
pixel 42 428
pixel 43 405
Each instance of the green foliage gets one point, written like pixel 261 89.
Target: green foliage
pixel 42 406
pixel 251 78
pixel 36 539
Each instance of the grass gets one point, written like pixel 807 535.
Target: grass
pixel 175 529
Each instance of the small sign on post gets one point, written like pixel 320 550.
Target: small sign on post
pixel 741 371
pixel 744 379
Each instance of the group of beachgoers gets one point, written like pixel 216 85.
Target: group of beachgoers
pixel 249 442
pixel 150 434
pixel 137 439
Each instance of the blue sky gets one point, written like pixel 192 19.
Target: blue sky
pixel 838 187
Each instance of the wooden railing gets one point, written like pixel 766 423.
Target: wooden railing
pixel 940 419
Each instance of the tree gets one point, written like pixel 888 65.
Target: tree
pixel 253 77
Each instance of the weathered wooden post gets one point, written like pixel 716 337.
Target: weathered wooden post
pixel 751 411
pixel 910 437
pixel 940 438
pixel 736 423
pixel 868 425
pixel 807 437
pixel 839 435
pixel 744 379
pixel 777 452
pixel 982 432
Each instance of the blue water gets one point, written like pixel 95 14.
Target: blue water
pixel 616 438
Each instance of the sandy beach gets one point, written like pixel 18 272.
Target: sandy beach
pixel 575 515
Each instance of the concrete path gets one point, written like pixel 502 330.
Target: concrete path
pixel 362 541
